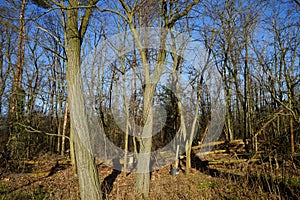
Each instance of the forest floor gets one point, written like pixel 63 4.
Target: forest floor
pixel 47 179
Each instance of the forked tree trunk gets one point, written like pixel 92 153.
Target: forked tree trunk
pixel 89 183
pixel 143 162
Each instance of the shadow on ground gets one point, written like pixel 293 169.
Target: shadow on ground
pixel 108 182
pixel 268 183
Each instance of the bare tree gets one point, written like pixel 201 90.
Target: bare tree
pixel 169 17
pixel 283 71
pixel 86 168
pixel 76 15
pixel 17 95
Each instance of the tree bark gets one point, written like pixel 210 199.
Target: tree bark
pixel 64 129
pixel 16 107
pixel 87 172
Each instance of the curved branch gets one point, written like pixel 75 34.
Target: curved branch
pixel 183 13
pixel 33 130
pixel 86 17
pixel 113 11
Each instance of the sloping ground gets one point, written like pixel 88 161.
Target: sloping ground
pixel 39 184
pixel 202 183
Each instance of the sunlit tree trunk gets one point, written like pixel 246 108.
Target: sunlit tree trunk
pixel 64 129
pixel 87 172
pixel 17 95
pixel 145 141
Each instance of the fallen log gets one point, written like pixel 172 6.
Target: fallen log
pixel 215 152
pixel 33 162
pixel 235 142
pixel 51 168
pixel 211 152
pixel 227 162
pixel 40 174
pixel 267 123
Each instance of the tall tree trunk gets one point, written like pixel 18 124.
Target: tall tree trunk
pixel 143 165
pixel 17 91
pixel 87 172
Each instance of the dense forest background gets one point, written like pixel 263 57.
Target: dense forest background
pixel 254 45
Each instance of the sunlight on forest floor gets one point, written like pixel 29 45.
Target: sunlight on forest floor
pixel 48 180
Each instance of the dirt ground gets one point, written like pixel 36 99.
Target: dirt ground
pixel 49 180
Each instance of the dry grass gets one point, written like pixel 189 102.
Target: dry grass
pixel 225 182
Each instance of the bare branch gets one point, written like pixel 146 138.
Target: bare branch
pixel 113 11
pixel 59 4
pixel 183 13
pixel 125 7
pixel 297 2
pixel 33 130
pixel 50 33
pixel 86 17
